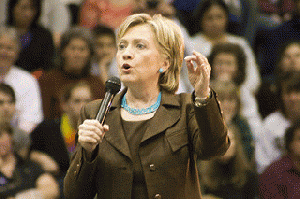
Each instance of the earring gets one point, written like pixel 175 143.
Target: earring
pixel 161 70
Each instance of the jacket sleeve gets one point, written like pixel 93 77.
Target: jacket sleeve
pixel 79 181
pixel 208 133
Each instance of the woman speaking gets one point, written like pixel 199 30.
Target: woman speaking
pixel 151 137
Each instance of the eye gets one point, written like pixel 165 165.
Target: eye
pixel 121 46
pixel 140 46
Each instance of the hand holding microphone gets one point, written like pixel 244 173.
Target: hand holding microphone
pixel 92 131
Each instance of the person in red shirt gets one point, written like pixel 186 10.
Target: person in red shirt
pixel 282 178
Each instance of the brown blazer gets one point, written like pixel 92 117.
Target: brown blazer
pixel 178 133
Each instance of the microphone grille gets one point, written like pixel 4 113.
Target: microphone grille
pixel 113 85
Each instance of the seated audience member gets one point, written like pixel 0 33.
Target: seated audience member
pixel 282 178
pixel 287 64
pixel 228 63
pixel 211 19
pixel 268 42
pixel 37 48
pixel 21 178
pixel 28 100
pixel 228 95
pixel 7 112
pixel 229 176
pixel 269 145
pixel 104 64
pixel 53 141
pixel 76 53
pixel 105 12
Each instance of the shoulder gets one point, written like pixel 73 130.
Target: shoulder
pixel 22 76
pixel 277 168
pixel 41 32
pixel 237 39
pixel 50 75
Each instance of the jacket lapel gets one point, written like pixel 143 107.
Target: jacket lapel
pixel 115 136
pixel 166 116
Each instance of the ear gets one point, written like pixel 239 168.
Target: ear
pixel 64 106
pixel 166 63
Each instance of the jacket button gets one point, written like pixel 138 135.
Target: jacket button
pixel 152 167
pixel 157 196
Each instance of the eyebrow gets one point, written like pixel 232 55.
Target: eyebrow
pixel 134 40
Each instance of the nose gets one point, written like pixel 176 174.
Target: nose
pixel 127 53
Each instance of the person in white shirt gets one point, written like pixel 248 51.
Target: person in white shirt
pixel 28 100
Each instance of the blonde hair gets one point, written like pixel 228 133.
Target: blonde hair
pixel 170 39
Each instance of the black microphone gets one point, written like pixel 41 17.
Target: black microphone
pixel 112 87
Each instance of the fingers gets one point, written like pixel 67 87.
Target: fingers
pixel 91 131
pixel 200 60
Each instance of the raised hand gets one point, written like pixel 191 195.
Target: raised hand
pixel 199 75
pixel 90 134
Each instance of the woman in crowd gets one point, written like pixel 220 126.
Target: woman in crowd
pixel 76 53
pixel 281 179
pixel 212 21
pixel 148 145
pixel 270 142
pixel 53 141
pixel 29 111
pixel 22 178
pixel 231 175
pixel 37 46
pixel 228 62
pixel 228 94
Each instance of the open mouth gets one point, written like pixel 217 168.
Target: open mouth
pixel 126 66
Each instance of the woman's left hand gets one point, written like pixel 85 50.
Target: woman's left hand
pixel 199 75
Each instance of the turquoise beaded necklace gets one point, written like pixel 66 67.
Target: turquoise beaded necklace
pixel 137 111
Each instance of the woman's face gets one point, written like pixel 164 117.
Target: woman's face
pixel 295 144
pixel 105 47
pixel 229 106
pixel 214 21
pixel 24 13
pixel 5 144
pixel 8 52
pixel 225 67
pixel 80 96
pixel 7 109
pixel 291 101
pixel 291 58
pixel 76 55
pixel 139 57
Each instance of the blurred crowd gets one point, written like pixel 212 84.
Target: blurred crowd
pixel 55 56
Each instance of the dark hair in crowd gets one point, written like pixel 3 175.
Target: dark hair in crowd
pixel 101 30
pixel 288 84
pixel 8 90
pixel 75 33
pixel 232 49
pixel 202 7
pixel 37 5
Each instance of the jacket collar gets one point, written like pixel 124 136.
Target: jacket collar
pixel 166 116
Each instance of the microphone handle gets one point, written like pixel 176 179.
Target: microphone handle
pixel 104 107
